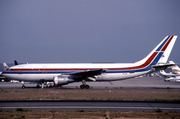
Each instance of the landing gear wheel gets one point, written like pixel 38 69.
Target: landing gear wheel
pixel 82 86
pixel 87 86
pixel 23 86
pixel 50 86
pixel 37 86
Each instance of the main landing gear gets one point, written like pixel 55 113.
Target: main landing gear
pixel 84 86
pixel 23 86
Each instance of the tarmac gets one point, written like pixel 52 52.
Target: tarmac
pixel 89 105
pixel 152 83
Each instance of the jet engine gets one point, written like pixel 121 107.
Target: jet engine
pixel 62 80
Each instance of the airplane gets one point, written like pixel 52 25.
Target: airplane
pixel 65 73
pixel 175 69
pixel 170 76
pixel 174 76
pixel 166 75
pixel 173 79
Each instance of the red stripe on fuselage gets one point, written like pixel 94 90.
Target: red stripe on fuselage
pixel 85 69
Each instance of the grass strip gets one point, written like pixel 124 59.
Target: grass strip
pixel 119 95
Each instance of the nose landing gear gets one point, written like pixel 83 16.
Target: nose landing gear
pixel 23 86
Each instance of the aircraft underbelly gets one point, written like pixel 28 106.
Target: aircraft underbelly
pixel 118 76
pixel 31 77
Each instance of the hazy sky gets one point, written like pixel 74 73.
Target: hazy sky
pixel 86 30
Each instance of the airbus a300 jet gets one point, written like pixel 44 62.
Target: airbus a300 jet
pixel 65 73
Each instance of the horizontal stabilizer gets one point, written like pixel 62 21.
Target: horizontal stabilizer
pixel 163 66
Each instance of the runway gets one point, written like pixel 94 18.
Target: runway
pixel 155 83
pixel 90 105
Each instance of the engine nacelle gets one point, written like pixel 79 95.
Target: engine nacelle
pixel 62 80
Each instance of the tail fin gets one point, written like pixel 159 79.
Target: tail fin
pixel 160 54
pixel 166 48
pixel 175 69
pixel 5 66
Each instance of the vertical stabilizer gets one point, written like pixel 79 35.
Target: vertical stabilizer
pixel 160 54
pixel 5 66
pixel 167 48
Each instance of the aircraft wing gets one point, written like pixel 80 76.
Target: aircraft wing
pixel 163 66
pixel 89 74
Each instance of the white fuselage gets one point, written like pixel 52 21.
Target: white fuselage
pixel 36 72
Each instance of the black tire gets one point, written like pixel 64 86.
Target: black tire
pixel 50 86
pixel 87 86
pixel 37 86
pixel 82 86
pixel 23 86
